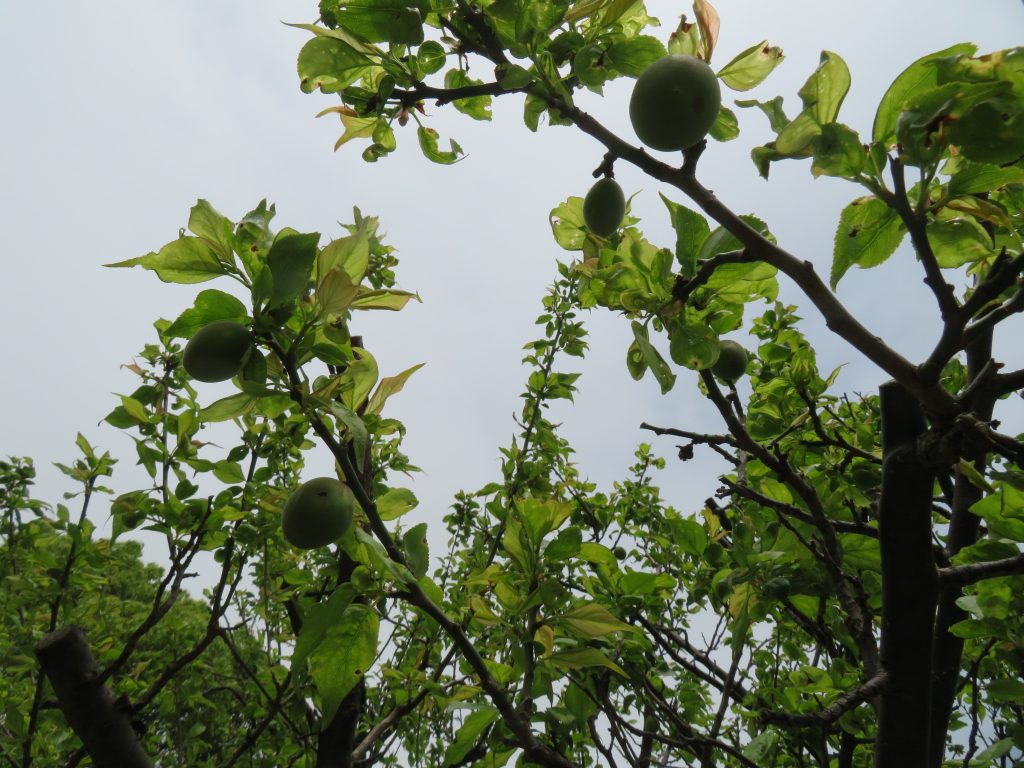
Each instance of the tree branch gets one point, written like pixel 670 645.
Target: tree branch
pixel 102 723
pixel 847 702
pixel 962 575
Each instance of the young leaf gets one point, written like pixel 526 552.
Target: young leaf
pixel 691 231
pixel 838 152
pixel 653 359
pixel 428 144
pixel 329 64
pixel 749 68
pixel 417 552
pixel 395 502
pixel 594 620
pixel 290 260
pixel 825 89
pixel 389 385
pixel 210 305
pixel 585 657
pixel 185 260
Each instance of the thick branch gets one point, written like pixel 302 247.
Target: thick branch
pixel 824 717
pixel 962 575
pixel 100 721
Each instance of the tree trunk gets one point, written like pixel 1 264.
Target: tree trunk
pixel 909 584
pixel 91 710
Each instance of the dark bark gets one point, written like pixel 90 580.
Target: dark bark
pixel 909 584
pixel 337 738
pixel 90 708
pixel 963 531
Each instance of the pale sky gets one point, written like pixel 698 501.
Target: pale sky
pixel 118 115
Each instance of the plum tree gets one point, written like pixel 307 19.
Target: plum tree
pixel 317 513
pixel 217 351
pixel 675 102
pixel 604 206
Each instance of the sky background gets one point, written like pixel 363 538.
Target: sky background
pixel 118 115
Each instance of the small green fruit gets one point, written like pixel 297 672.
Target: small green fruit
pixel 620 553
pixel 675 102
pixel 217 351
pixel 732 361
pixel 604 207
pixel 317 513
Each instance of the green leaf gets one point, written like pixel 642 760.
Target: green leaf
pixel 185 260
pixel 773 110
pixel 359 378
pixel 468 735
pixel 541 517
pixel 395 502
pixel 565 545
pixel 330 64
pixel 691 231
pixel 653 359
pixel 796 139
pixel 477 107
pixel 417 552
pixel 355 127
pixel 230 407
pixel 977 178
pixel 585 657
pixel 351 253
pixel 228 472
pixel 824 91
pixel 690 536
pixel 382 298
pixel 210 305
pixel 594 620
pixel 567 224
pixel 631 57
pixel 335 293
pixel 317 620
pixel 207 223
pixel 869 232
pixel 959 241
pixel 290 260
pixel 428 144
pixel 838 152
pixel 726 127
pixel 694 345
pixel 389 385
pixel 918 77
pixel 1005 689
pixel 750 67
pixel 642 583
pixel 354 427
pixel 382 21
pixel 431 57
pixel 343 656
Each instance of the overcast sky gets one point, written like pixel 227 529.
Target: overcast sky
pixel 118 115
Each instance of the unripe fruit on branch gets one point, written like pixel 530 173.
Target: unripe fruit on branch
pixel 675 102
pixel 217 351
pixel 317 513
pixel 604 207
pixel 732 361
